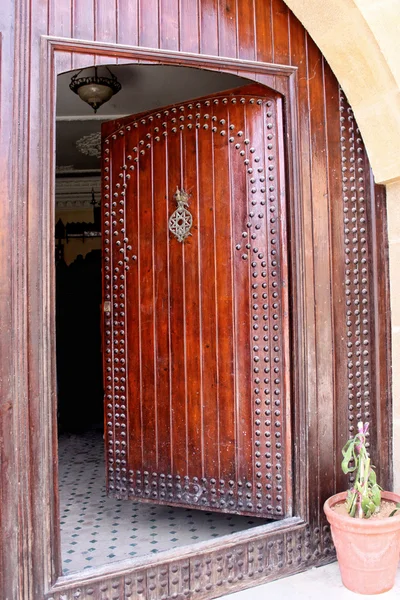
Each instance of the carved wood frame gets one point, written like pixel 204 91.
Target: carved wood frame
pixel 208 569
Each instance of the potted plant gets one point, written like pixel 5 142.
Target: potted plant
pixel 365 524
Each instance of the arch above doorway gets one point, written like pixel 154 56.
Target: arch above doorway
pixel 359 41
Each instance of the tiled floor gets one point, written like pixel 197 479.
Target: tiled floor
pixel 96 529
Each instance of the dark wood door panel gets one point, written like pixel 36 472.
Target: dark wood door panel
pixel 196 332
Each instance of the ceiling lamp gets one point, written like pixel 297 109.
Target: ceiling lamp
pixel 96 89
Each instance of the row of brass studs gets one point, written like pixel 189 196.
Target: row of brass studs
pixel 116 266
pixel 356 261
pixel 265 353
pixel 263 414
pixel 108 322
pixel 202 491
pixel 192 106
pixel 274 294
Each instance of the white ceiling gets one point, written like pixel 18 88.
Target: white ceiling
pixel 144 87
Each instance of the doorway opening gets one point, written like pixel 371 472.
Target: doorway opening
pixel 97 529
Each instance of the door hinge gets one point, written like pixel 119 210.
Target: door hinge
pixel 107 306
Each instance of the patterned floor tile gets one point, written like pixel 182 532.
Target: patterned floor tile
pixel 96 529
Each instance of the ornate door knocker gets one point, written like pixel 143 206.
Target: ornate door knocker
pixel 181 220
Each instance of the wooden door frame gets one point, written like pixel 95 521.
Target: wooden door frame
pixel 211 568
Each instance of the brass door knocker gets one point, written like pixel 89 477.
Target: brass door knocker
pixel 181 220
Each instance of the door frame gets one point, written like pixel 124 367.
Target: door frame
pixel 212 568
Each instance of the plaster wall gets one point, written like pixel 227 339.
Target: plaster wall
pixel 360 40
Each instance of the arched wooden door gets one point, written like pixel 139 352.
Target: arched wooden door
pixel 196 354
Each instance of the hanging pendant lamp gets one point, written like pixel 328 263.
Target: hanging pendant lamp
pixel 96 89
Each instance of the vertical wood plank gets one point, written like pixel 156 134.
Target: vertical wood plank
pixel 208 27
pixel 161 260
pixel 83 22
pixel 382 385
pixel 192 301
pixel 264 32
pixel 285 405
pixel 10 386
pixel 178 374
pixel 83 61
pixel 83 27
pixel 267 80
pixel 227 28
pixel 327 377
pixel 127 22
pixel 340 417
pixel 105 18
pixel 46 564
pixel 60 18
pixel 149 23
pixel 322 432
pixel 169 25
pixel 189 27
pixel 63 62
pixel 365 296
pixel 299 57
pixel 246 29
pixel 60 24
pixel 208 290
pixel 113 152
pixel 280 24
pixel 134 291
pixel 22 180
pixel 105 14
pixel 212 274
pixel 147 304
pixel 242 334
pixel 224 283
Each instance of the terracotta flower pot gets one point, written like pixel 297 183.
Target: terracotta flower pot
pixel 368 550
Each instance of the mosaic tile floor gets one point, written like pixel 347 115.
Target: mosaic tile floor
pixel 96 529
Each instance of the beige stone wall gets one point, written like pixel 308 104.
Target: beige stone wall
pixel 360 40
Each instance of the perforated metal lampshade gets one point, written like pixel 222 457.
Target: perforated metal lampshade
pixel 95 90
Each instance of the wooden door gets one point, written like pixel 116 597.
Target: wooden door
pixel 196 355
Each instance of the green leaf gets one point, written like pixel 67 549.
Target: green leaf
pixel 366 505
pixel 395 510
pixel 351 503
pixel 348 455
pixel 376 495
